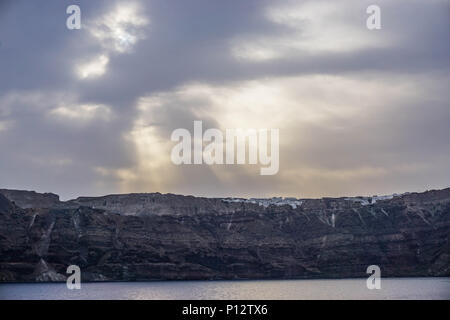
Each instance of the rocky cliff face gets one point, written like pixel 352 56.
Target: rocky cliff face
pixel 155 236
pixel 31 199
pixel 153 204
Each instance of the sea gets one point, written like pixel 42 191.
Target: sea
pixel 342 289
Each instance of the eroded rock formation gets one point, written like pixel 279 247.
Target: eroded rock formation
pixel 156 236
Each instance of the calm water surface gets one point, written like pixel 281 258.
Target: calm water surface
pixel 392 288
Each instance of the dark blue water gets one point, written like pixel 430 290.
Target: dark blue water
pixel 391 288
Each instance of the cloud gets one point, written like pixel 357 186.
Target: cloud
pixel 333 130
pixel 312 27
pixel 83 113
pixel 94 68
pixel 359 111
pixel 4 125
pixel 58 105
pixel 120 28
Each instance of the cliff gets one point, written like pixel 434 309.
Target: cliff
pixel 156 236
pixel 31 199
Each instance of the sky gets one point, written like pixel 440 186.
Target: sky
pixel 91 111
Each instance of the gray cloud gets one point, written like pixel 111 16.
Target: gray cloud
pixel 397 145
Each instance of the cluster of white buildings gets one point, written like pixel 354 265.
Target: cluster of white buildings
pixel 371 200
pixel 265 202
pixel 294 202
